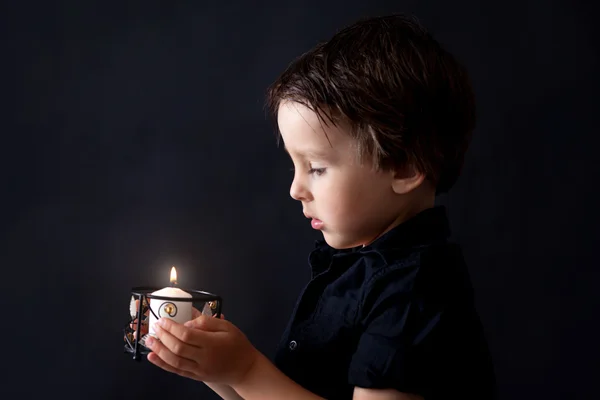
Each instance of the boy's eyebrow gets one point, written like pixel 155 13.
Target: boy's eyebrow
pixel 319 154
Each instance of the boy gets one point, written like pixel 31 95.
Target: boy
pixel 376 122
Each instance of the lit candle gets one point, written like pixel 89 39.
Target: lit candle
pixel 179 311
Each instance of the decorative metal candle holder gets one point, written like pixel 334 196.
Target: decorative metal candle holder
pixel 208 304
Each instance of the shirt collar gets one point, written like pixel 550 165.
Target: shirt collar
pixel 428 226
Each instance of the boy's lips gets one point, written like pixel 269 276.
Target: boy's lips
pixel 314 222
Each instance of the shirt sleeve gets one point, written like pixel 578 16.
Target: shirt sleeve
pixel 393 322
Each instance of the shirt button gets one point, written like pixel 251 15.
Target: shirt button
pixel 293 345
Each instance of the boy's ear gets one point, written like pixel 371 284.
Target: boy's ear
pixel 406 180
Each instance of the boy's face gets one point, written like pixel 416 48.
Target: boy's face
pixel 351 203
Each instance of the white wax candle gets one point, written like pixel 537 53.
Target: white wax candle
pixel 179 311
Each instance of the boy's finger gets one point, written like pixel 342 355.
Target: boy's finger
pixel 195 313
pixel 181 349
pixel 162 354
pixel 156 360
pixel 206 323
pixel 184 334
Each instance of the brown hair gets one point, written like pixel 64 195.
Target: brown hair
pixel 407 100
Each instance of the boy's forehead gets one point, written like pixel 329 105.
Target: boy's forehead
pixel 303 132
pixel 294 117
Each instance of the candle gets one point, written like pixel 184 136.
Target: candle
pixel 179 311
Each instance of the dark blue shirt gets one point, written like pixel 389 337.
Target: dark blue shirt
pixel 398 313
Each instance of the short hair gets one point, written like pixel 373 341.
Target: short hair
pixel 407 101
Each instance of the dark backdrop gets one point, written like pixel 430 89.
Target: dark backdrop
pixel 134 138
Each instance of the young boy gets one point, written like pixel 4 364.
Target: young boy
pixel 376 122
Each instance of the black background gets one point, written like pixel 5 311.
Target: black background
pixel 134 138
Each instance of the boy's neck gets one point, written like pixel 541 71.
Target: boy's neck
pixel 419 201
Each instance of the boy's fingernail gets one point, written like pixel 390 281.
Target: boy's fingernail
pixel 149 341
pixel 188 324
pixel 161 322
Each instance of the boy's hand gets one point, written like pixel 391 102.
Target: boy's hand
pixel 206 349
pixel 133 325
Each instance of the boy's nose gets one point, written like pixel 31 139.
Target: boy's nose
pixel 298 191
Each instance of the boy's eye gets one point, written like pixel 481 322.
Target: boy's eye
pixel 317 171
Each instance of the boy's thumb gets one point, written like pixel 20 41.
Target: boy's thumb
pixel 205 323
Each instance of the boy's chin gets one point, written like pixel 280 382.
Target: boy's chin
pixel 339 242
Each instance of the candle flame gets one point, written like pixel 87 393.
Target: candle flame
pixel 173 275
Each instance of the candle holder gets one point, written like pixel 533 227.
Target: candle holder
pixel 208 304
